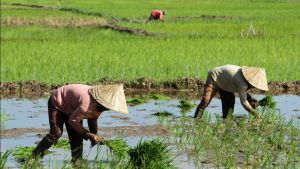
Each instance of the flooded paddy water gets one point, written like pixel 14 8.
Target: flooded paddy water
pixel 27 122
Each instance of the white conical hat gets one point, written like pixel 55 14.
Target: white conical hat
pixel 256 77
pixel 111 97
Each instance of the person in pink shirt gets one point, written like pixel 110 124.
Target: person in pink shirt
pixel 70 104
pixel 157 15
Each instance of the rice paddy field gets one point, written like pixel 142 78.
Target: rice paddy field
pixel 63 41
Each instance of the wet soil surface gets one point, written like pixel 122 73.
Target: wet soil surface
pixel 128 131
pixel 145 84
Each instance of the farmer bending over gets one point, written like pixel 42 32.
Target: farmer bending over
pixel 230 79
pixel 71 104
pixel 157 15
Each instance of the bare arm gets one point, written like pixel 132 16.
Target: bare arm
pixel 246 104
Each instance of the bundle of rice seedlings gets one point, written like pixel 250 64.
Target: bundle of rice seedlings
pixel 268 102
pixel 151 154
pixel 118 147
pixel 23 154
pixel 163 113
pixel 185 104
pixel 64 143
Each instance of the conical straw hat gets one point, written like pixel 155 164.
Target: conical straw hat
pixel 256 77
pixel 111 97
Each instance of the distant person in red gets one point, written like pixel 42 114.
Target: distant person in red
pixel 157 15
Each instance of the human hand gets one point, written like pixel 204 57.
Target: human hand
pixel 95 139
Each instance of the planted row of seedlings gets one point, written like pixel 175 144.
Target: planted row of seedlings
pixel 239 141
pixel 146 154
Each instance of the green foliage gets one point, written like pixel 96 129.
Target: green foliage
pixel 4 157
pixel 151 154
pixel 268 102
pixel 22 154
pixel 185 105
pixel 189 45
pixel 135 101
pixel 4 118
pixel 118 147
pixel 239 142
pixel 62 143
pixel 163 113
pixel 158 97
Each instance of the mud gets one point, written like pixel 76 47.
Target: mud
pixel 129 131
pixel 144 84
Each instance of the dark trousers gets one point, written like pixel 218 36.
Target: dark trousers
pixel 227 99
pixel 56 120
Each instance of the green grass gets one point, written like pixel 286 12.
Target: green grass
pixel 118 147
pixel 151 154
pixel 186 47
pixel 239 142
pixel 62 143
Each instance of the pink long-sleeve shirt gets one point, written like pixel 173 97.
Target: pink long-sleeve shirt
pixel 71 97
pixel 75 102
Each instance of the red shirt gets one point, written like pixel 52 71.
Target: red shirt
pixel 157 14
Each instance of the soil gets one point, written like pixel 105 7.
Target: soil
pixel 128 131
pixel 195 85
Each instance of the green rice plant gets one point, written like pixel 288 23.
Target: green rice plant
pixel 163 113
pixel 151 154
pixel 268 102
pixel 4 118
pixel 62 143
pixel 185 105
pixel 4 157
pixel 118 147
pixel 135 101
pixel 22 154
pixel 158 97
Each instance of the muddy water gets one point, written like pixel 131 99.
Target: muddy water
pixel 28 122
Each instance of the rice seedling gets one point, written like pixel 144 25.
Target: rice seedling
pixel 267 102
pixel 4 157
pixel 239 142
pixel 158 97
pixel 150 154
pixel 163 113
pixel 118 147
pixel 4 118
pixel 135 101
pixel 185 105
pixel 62 143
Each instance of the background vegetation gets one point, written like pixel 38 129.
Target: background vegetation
pixel 36 43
